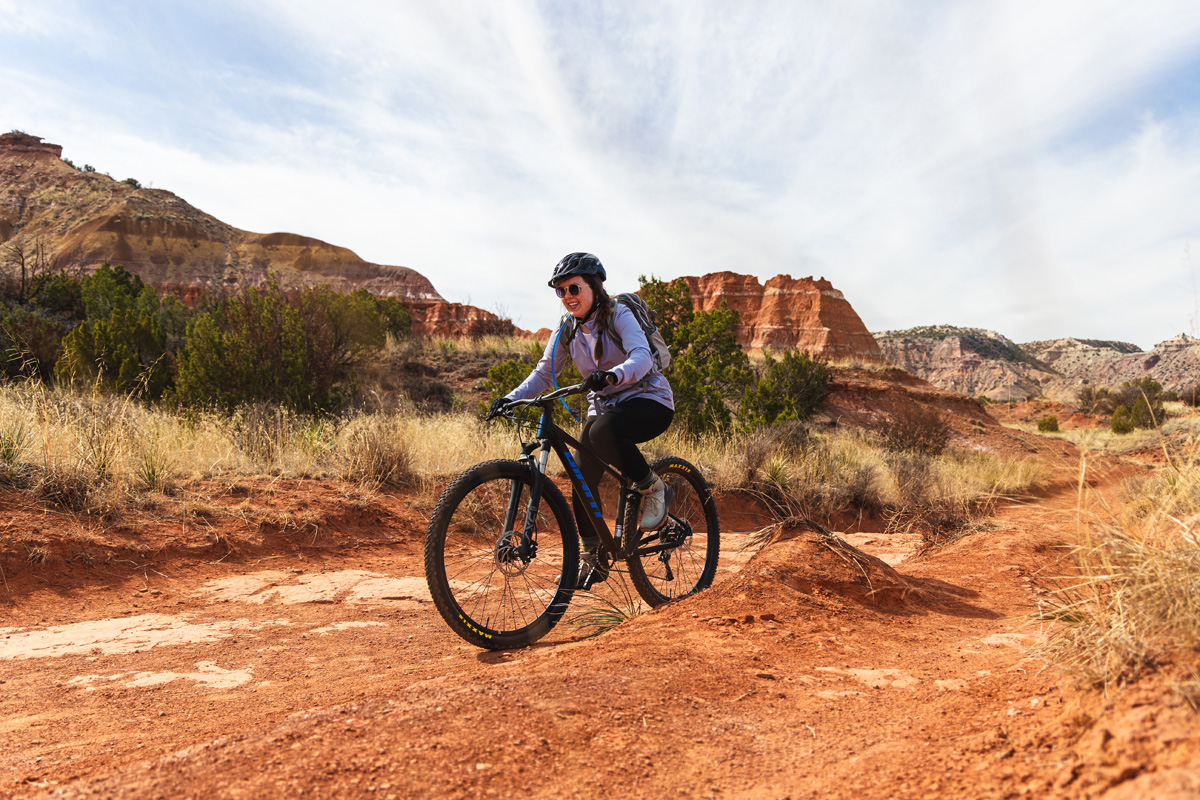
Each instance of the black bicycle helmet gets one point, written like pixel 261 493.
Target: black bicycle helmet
pixel 577 264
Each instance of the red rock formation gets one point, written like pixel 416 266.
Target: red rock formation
pixel 440 318
pixel 787 312
pixel 23 145
pixel 82 219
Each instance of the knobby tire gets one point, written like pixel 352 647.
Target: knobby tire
pixel 693 563
pixel 488 595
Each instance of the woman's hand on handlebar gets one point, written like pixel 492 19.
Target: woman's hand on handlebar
pixel 599 379
pixel 499 406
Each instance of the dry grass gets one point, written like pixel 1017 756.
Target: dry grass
pixel 822 476
pixel 433 348
pixel 95 453
pixel 90 453
pixel 1136 596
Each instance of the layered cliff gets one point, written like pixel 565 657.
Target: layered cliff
pixel 984 363
pixel 786 313
pixel 1174 363
pixel 56 216
pixel 970 361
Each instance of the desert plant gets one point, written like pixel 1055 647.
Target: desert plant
pixel 919 429
pixel 263 345
pixel 1122 420
pixel 1096 400
pixel 789 388
pixel 709 373
pixel 1048 424
pixel 373 452
pixel 1134 596
pixel 601 613
pixel 126 353
pixel 510 373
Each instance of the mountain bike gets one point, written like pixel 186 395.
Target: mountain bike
pixel 502 549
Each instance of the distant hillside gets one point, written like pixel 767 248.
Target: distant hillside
pixel 70 218
pixel 972 361
pixel 1174 363
pixel 984 363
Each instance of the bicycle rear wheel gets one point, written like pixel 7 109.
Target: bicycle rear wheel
pixel 680 558
pixel 493 588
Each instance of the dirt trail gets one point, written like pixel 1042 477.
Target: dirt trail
pixel 301 675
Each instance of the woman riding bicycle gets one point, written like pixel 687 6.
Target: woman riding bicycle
pixel 630 401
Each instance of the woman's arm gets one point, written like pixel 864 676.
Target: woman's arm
pixel 541 378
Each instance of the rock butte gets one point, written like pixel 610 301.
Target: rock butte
pixel 84 219
pixel 802 313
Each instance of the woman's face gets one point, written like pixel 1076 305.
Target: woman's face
pixel 577 305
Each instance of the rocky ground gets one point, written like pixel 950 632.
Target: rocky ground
pixel 276 639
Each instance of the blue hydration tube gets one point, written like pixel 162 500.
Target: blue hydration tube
pixel 554 373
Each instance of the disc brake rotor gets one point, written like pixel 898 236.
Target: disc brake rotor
pixel 509 558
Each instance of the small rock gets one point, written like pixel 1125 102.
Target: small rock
pixel 764 675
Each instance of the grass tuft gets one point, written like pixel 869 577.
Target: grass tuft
pixel 1134 597
pixel 600 613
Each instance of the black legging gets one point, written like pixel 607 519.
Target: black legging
pixel 614 436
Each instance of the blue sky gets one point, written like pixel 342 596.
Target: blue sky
pixel 1033 168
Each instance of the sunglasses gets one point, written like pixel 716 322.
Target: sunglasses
pixel 562 291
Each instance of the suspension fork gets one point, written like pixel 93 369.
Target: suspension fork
pixel 537 471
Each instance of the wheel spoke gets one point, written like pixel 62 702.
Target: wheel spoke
pixel 478 578
pixel 689 565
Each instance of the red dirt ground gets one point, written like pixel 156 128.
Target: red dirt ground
pixel 275 639
pixel 286 669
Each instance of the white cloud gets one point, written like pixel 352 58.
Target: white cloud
pixel 1001 165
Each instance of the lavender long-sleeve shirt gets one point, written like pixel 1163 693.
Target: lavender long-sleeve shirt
pixel 633 365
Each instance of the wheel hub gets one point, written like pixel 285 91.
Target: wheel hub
pixel 512 554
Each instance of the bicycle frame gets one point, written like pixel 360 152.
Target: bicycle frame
pixel 551 437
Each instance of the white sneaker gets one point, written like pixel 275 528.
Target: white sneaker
pixel 654 505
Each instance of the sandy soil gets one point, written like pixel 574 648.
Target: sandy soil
pixel 180 656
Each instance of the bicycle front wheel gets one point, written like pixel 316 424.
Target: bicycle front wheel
pixel 496 587
pixel 680 558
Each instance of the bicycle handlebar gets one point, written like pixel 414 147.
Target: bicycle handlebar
pixel 540 400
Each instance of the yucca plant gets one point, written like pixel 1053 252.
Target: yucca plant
pixel 602 612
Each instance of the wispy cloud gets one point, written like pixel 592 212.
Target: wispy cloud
pixel 1019 167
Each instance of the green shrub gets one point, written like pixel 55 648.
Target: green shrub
pixel 1122 420
pixel 917 429
pixel 709 372
pixel 30 343
pixel 126 353
pixel 510 373
pixel 57 294
pixel 1142 401
pixel 787 389
pixel 1048 424
pixel 263 345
